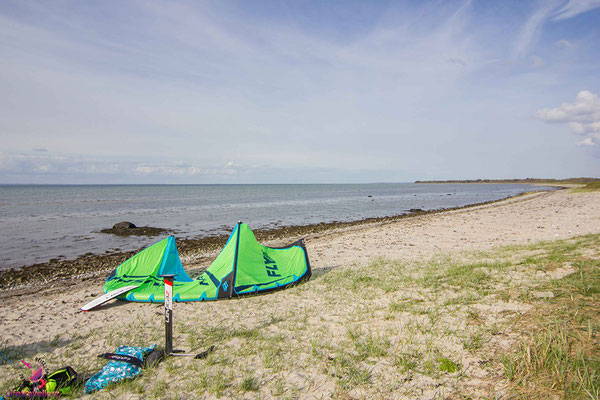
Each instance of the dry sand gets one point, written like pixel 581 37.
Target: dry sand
pixel 520 220
pixel 47 322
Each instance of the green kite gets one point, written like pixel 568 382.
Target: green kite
pixel 244 266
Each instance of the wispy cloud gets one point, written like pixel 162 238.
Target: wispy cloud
pixel 574 8
pixel 54 164
pixel 564 43
pixel 587 142
pixel 180 89
pixel 183 170
pixel 221 82
pixel 530 31
pixel 551 10
pixel 61 167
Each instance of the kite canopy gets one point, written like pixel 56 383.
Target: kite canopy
pixel 244 266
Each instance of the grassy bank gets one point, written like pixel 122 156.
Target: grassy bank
pixel 560 354
pixel 518 321
pixel 590 187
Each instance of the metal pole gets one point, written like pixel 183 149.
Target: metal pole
pixel 168 279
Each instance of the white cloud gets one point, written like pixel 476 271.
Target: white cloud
pixel 173 170
pixel 48 163
pixel 564 43
pixel 208 86
pixel 532 28
pixel 577 127
pixel 583 116
pixel 231 168
pixel 183 169
pixel 586 142
pixel 575 7
pixel 53 165
pixel 138 89
pixel 549 10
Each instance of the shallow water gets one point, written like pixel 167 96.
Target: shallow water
pixel 40 222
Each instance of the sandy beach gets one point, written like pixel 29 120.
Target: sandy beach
pixel 380 336
pixel 435 164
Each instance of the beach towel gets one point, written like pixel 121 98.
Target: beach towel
pixel 125 363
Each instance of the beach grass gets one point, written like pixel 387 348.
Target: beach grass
pixel 561 355
pixel 461 326
pixel 589 187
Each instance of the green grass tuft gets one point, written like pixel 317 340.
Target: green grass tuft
pixel 249 385
pixel 448 366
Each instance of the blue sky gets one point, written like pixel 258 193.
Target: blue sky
pixel 298 91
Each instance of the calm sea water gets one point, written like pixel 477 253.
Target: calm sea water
pixel 38 223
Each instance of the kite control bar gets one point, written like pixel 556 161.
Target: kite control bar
pixel 168 279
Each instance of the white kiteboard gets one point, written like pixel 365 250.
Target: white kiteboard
pixel 107 296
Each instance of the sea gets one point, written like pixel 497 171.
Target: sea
pixel 42 222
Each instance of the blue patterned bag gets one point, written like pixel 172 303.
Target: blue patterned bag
pixel 126 363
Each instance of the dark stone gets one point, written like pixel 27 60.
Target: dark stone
pixel 132 230
pixel 415 210
pixel 124 225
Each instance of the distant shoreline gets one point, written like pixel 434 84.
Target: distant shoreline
pixel 530 181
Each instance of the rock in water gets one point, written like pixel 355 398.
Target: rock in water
pixel 124 225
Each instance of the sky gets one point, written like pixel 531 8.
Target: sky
pixel 298 91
